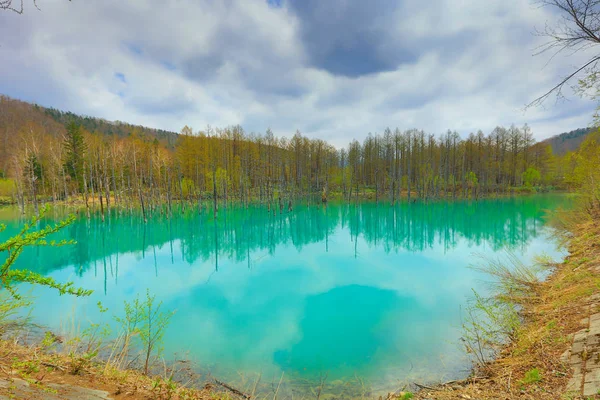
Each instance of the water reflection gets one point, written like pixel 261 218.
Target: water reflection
pixel 504 223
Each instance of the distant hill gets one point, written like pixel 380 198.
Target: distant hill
pixel 15 115
pixel 118 128
pixel 568 141
pixel 16 111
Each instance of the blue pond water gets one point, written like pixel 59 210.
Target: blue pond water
pixel 363 293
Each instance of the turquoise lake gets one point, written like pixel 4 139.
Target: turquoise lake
pixel 360 292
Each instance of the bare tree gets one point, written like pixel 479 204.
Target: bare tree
pixel 577 30
pixel 15 6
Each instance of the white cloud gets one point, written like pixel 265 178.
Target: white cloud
pixel 463 66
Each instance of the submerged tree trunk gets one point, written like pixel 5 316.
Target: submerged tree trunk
pixel 215 204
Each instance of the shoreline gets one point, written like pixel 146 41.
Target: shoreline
pixel 363 194
pixel 78 206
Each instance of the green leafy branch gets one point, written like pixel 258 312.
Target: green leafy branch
pixel 28 236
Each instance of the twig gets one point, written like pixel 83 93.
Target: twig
pixel 321 385
pixel 52 365
pixel 232 389
pixel 255 385
pixel 424 386
pixel 279 384
pixel 4 370
pixel 451 382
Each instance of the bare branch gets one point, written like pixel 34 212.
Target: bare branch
pixel 18 7
pixel 8 5
pixel 559 86
pixel 577 30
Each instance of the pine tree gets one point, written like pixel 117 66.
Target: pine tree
pixel 75 148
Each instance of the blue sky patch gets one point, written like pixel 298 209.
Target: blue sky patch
pixel 120 76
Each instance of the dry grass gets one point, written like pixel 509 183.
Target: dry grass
pixel 40 368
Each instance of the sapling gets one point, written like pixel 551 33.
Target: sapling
pixel 152 330
pixel 145 319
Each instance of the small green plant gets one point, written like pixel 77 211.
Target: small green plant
pixel 489 324
pixel 145 320
pixel 129 326
pixel 532 376
pixel 220 396
pixel 26 368
pixel 152 330
pixel 84 348
pixel 164 388
pixel 79 363
pixel 94 335
pixel 406 396
pixel 49 341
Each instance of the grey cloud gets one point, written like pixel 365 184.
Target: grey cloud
pixel 351 38
pixel 332 69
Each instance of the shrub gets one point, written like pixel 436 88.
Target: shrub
pixel 532 376
pixel 143 319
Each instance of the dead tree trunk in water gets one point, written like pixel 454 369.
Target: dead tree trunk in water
pixel 85 193
pixel 101 205
pixel 215 205
pixel 139 182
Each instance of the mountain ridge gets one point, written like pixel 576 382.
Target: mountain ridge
pixel 568 141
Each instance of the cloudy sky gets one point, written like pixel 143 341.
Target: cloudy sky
pixel 334 69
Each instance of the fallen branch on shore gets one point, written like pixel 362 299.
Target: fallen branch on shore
pixel 232 389
pixel 425 386
pixel 47 364
pixel 441 386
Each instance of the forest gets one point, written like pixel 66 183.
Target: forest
pixel 48 155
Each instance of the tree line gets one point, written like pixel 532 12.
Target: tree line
pixel 215 167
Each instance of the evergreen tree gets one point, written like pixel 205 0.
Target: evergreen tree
pixel 75 148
